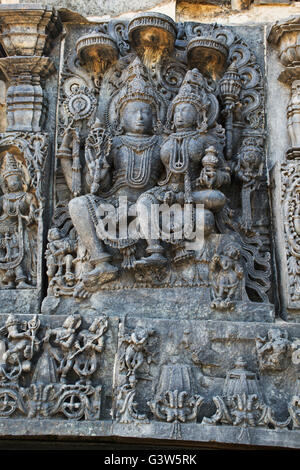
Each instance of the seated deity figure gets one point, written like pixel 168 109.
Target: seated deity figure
pixel 192 155
pixel 18 216
pixel 131 167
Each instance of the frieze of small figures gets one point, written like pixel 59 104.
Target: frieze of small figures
pixel 59 364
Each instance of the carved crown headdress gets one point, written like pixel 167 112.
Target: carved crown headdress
pixel 192 89
pixel 195 90
pixel 10 166
pixel 138 87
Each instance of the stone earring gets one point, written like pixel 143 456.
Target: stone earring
pixel 202 122
pixel 157 126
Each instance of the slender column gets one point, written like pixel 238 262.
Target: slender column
pixel 285 36
pixel 27 35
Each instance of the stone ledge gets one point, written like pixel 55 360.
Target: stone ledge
pixel 195 433
pixel 160 303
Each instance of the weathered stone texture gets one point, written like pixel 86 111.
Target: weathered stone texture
pixel 118 321
pixel 102 7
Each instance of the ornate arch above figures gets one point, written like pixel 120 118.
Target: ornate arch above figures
pixel 220 45
pixel 238 51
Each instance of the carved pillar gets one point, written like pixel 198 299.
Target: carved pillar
pixel 25 93
pixel 285 35
pixel 27 34
pixel 26 38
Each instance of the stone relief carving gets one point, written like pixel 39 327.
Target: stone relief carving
pixel 290 180
pixel 173 401
pixel 61 364
pixel 183 394
pixel 47 371
pixel 151 114
pixel 19 214
pixel 226 274
pixel 283 36
pixel 168 130
pixel 23 167
pixel 133 354
pixel 176 407
pixel 27 63
pixel 60 256
pixel 274 350
pixel 18 347
pixel 242 403
pixel 242 397
pixel 248 170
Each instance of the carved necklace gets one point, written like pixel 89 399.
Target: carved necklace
pixel 136 145
pixel 13 201
pixel 137 174
pixel 180 159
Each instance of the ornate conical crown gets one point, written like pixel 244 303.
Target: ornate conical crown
pixel 192 90
pixel 137 87
pixel 10 166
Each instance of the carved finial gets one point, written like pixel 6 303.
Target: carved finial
pixel 210 158
pixel 230 84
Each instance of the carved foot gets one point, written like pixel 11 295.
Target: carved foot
pixel 156 259
pixel 102 273
pixel 80 292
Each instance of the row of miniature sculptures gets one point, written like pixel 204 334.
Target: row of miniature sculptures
pixel 63 363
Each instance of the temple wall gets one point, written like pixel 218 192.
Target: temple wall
pixel 188 333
